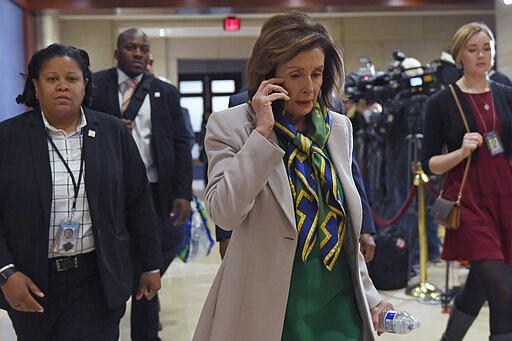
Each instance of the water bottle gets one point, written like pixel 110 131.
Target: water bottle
pixel 396 321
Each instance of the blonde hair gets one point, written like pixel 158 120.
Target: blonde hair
pixel 284 36
pixel 463 34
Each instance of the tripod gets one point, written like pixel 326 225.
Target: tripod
pixel 370 152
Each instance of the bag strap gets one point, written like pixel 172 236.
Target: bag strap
pixel 138 96
pixel 462 115
pixel 468 161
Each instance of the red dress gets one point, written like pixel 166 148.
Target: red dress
pixel 485 230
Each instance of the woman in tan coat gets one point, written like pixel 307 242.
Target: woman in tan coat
pixel 280 178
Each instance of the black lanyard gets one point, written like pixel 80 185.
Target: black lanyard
pixel 76 185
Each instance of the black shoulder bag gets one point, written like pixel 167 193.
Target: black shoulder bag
pixel 138 96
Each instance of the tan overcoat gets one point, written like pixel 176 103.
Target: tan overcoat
pixel 248 192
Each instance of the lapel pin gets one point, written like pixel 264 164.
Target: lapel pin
pixel 157 94
pixel 92 133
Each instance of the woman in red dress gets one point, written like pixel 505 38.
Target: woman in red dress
pixel 485 234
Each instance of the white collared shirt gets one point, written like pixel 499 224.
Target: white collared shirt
pixel 141 128
pixel 70 147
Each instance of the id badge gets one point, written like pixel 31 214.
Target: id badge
pixel 493 142
pixel 67 236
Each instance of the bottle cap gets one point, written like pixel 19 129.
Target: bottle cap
pixel 416 324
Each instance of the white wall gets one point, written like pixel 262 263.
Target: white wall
pixel 503 37
pixel 422 36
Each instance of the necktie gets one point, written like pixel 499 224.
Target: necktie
pixel 129 88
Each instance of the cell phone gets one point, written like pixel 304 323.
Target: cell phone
pixel 277 105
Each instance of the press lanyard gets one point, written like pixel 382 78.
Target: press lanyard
pixel 76 185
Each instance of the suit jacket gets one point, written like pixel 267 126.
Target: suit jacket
pixel 249 193
pixel 238 98
pixel 170 139
pixel 117 190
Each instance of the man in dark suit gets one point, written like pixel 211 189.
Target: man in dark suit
pixel 368 225
pixel 158 127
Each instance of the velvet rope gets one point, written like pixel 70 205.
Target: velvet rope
pixel 432 188
pixel 386 223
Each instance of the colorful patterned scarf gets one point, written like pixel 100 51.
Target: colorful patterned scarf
pixel 315 188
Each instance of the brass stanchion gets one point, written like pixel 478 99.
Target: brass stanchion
pixel 424 291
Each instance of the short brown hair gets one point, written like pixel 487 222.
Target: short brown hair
pixel 463 34
pixel 284 36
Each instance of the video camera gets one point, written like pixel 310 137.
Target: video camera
pixel 376 87
pixel 404 75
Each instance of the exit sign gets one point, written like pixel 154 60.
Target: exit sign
pixel 232 24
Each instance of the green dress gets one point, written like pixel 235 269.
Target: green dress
pixel 321 303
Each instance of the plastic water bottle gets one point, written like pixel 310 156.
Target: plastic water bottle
pixel 396 321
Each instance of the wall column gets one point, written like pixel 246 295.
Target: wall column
pixel 48 25
pixel 503 34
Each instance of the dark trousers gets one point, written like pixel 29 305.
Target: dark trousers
pixel 75 309
pixel 144 314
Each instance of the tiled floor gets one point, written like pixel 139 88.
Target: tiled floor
pixel 185 287
pixel 187 284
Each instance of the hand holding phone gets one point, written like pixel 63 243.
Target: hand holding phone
pixel 277 105
pixel 268 101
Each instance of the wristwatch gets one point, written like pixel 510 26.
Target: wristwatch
pixel 5 274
